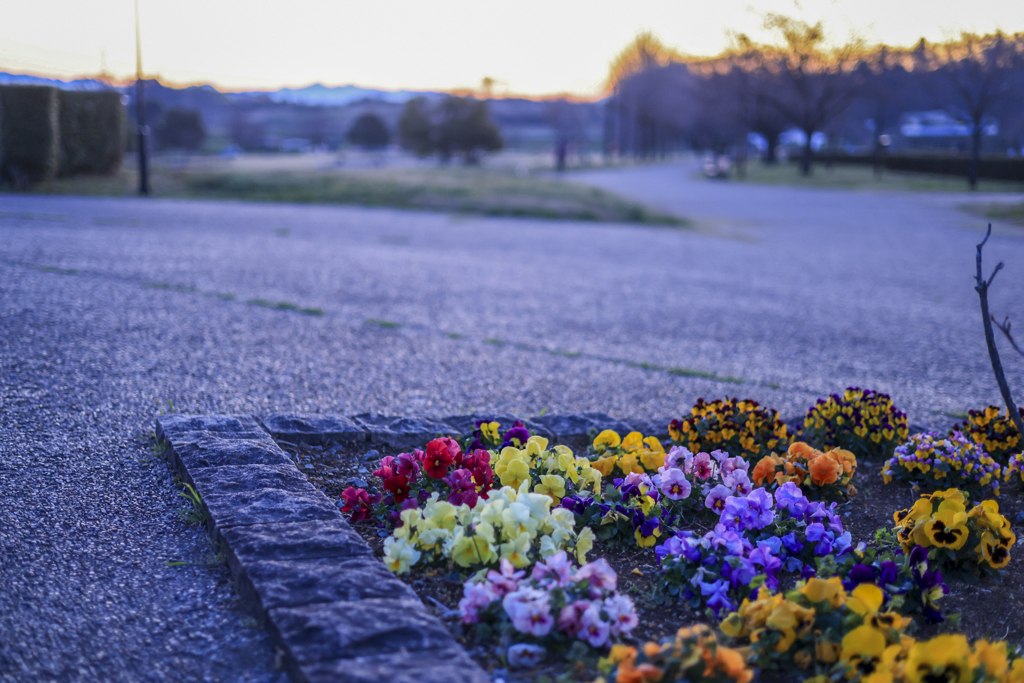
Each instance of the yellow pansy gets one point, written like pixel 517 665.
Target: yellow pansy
pixel 634 441
pixel 551 485
pixel 606 465
pixel 517 551
pixel 862 650
pixel 652 460
pixel 943 658
pixel 470 550
pixel 628 462
pixel 947 529
pixel 489 430
pixel 584 544
pixel 822 590
pixel 607 439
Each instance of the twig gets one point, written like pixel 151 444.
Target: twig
pixel 1004 327
pixel 990 338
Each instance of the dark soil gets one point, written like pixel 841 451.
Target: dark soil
pixel 987 610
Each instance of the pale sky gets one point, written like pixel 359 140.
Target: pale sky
pixel 533 47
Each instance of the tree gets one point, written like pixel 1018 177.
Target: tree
pixel 816 83
pixel 415 128
pixel 466 128
pixel 457 125
pixel 982 72
pixel 369 130
pixel 181 129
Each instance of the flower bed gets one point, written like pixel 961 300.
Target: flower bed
pixel 689 537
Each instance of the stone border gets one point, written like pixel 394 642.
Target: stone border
pixel 335 611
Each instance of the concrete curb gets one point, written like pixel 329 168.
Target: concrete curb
pixel 334 610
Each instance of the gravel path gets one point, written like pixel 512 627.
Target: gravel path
pixel 110 308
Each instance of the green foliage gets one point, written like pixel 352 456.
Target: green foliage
pixel 369 130
pixel 92 132
pixel 29 134
pixel 196 512
pixel 414 127
pixel 455 126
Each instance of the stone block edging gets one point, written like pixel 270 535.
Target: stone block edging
pixel 333 608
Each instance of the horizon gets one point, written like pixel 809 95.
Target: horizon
pixel 227 50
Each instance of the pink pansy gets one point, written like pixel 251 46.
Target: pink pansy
pixel 595 629
pixel 530 611
pixel 558 568
pixel 730 465
pixel 674 485
pixel 636 479
pixel 507 580
pixel 386 469
pixel 703 468
pixel 716 498
pixel 621 613
pixel 569 619
pixel 679 458
pixel 600 574
pixel 476 596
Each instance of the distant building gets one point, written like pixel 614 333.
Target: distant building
pixel 940 130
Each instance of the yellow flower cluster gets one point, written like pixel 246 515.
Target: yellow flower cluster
pixel 548 468
pixel 510 524
pixel 948 658
pixel 738 427
pixel 995 432
pixel 796 628
pixel 631 454
pixel 861 420
pixel 941 520
pixel 693 655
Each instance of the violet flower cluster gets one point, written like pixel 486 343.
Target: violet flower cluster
pixel 556 602
pixel 758 536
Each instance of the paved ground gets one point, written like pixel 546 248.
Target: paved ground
pixel 109 308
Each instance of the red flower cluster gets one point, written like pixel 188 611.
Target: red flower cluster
pixel 441 454
pixel 357 503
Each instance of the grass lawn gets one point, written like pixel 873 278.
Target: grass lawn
pixel 1011 213
pixel 852 177
pixel 476 190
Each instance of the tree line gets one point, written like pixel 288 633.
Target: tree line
pixel 660 99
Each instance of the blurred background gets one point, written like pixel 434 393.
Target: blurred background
pixel 345 102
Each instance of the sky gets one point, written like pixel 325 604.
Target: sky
pixel 531 47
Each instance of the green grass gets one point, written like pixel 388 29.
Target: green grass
pixel 1011 213
pixel 494 341
pixel 54 269
pixel 689 372
pixel 480 191
pixel 387 324
pixel 852 177
pixel 455 335
pixel 284 306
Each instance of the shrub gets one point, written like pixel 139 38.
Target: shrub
pixel 994 432
pixel 738 427
pixel 181 129
pixel 369 130
pixel 934 462
pixel 29 133
pixel 92 132
pixel 861 421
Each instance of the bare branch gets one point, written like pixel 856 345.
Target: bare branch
pixel 1004 327
pixel 990 338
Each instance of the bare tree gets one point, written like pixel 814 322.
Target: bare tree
pixel 981 72
pixel 817 81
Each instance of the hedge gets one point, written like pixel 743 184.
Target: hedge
pixel 29 133
pixel 92 132
pixel 999 168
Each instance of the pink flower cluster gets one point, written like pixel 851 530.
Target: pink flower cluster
pixel 580 603
pixel 718 476
pixel 470 478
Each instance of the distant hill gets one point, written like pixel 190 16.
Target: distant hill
pixel 316 94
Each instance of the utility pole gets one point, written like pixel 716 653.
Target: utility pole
pixel 140 112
